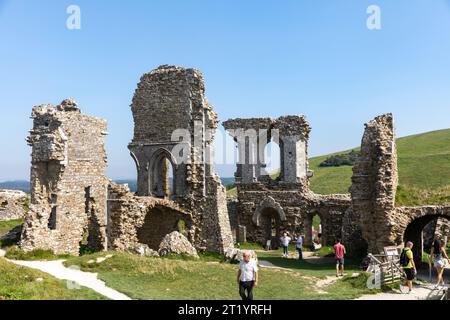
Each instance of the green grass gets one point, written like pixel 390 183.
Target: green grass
pixel 162 278
pixel 16 253
pixel 325 251
pixel 21 283
pixel 6 226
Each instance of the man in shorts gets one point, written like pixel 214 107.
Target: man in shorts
pixel 409 266
pixel 339 253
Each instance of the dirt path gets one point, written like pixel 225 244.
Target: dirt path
pixel 74 277
pixel 420 292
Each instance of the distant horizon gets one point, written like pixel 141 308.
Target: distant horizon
pixel 232 176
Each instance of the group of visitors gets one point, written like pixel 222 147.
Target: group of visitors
pixel 247 277
pixel 286 240
pixel 438 258
pixel 248 268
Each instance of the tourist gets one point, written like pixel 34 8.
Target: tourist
pixel 439 257
pixel 285 240
pixel 300 247
pixel 247 276
pixel 339 253
pixel 408 265
pixel 319 232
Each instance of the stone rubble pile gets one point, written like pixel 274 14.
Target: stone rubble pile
pixel 176 243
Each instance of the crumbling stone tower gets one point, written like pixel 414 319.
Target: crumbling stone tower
pixel 375 180
pixel 174 128
pixel 68 183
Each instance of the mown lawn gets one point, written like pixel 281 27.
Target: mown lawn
pixel 21 283
pixel 211 279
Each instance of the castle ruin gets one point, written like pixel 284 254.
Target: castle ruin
pixel 68 182
pixel 73 203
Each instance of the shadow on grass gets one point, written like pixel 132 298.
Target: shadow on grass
pixel 318 269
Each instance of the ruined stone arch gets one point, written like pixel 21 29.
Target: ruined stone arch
pixel 268 203
pixel 136 161
pixel 415 219
pixel 158 173
pixel 158 221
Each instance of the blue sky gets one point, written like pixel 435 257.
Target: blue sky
pixel 259 58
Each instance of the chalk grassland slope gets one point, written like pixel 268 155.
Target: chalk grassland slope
pixel 424 170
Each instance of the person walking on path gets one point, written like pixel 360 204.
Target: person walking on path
pixel 285 240
pixel 300 247
pixel 339 253
pixel 408 265
pixel 247 277
pixel 439 257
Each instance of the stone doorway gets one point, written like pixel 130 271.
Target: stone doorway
pixel 314 221
pixel 271 227
pixel 415 233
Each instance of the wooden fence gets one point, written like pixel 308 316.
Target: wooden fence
pixel 388 266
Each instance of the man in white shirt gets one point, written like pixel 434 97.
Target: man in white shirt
pixel 247 277
pixel 285 240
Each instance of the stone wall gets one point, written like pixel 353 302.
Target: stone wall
pixel 13 204
pixel 68 183
pixel 438 228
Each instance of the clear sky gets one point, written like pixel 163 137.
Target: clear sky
pixel 259 58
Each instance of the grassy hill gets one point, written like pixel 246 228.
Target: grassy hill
pixel 423 164
pixel 424 170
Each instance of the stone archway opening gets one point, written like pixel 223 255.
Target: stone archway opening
pixel 160 221
pixel 414 232
pixel 314 229
pixel 270 224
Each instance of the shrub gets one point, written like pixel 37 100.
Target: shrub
pixel 346 159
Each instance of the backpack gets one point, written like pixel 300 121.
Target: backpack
pixel 404 260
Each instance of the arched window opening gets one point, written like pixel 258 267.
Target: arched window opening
pixel 272 160
pixel 162 177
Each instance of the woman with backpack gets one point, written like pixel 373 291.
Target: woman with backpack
pixel 439 257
